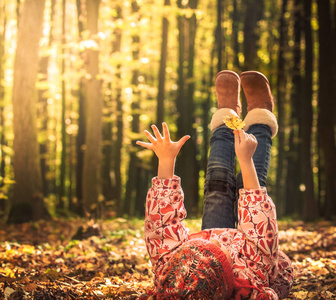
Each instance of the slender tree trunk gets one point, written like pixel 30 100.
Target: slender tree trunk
pixel 180 70
pixel 219 35
pixel 162 70
pixel 334 59
pixel 27 201
pixel 118 145
pixel 206 108
pixel 235 30
pixel 253 15
pixel 187 166
pixel 78 207
pixel 92 155
pixel 310 209
pixel 191 147
pixel 107 188
pixel 280 197
pixel 131 187
pixel 2 105
pixel 61 193
pixel 119 122
pixel 325 118
pixel 293 197
pixel 43 101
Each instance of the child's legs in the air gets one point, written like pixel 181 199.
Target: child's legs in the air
pixel 220 185
pixel 262 155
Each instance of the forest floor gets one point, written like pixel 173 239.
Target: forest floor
pixel 41 260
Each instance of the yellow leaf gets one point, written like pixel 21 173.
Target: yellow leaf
pixel 234 122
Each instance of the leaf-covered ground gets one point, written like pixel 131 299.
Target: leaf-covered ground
pixel 41 260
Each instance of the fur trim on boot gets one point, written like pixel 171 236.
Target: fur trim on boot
pixel 261 116
pixel 218 116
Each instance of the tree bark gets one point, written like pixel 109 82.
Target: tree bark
pixel 293 196
pixel 78 207
pixel 253 15
pixel 235 30
pixel 107 187
pixel 2 105
pixel 219 35
pixel 325 118
pixel 63 167
pixel 281 107
pixel 162 70
pixel 310 209
pixel 133 170
pixel 43 103
pixel 27 201
pixel 119 122
pixel 187 166
pixel 92 155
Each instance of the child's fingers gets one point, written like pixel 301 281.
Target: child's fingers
pixel 150 137
pixel 183 140
pixel 238 135
pixel 156 132
pixel 145 145
pixel 165 131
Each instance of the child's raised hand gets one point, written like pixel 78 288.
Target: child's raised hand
pixel 245 145
pixel 163 147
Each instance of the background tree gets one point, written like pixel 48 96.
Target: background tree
pixel 92 154
pixel 325 118
pixel 80 139
pixel 27 201
pixel 306 120
pixel 2 116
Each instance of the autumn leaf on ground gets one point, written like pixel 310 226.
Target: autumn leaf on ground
pixel 234 122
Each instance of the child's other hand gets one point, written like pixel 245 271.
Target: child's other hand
pixel 164 148
pixel 245 145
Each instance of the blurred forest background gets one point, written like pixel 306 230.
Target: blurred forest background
pixel 80 81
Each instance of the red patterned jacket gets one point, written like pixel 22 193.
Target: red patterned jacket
pixel 253 247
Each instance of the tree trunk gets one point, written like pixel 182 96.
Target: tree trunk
pixel 281 107
pixel 253 15
pixel 293 197
pixel 119 121
pixel 2 105
pixel 162 70
pixel 206 106
pixel 107 188
pixel 326 118
pixel 133 170
pixel 333 40
pixel 78 207
pixel 43 104
pixel 27 201
pixel 187 166
pixel 61 190
pixel 92 155
pixel 310 209
pixel 235 30
pixel 219 35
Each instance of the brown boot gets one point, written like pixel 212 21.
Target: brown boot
pixel 260 101
pixel 227 89
pixel 257 90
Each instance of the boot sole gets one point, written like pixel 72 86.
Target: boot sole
pixel 228 73
pixel 255 73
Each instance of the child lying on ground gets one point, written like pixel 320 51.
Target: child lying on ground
pixel 220 262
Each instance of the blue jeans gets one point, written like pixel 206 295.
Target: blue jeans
pixel 221 188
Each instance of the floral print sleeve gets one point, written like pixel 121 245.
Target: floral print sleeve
pixel 164 229
pixel 257 221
